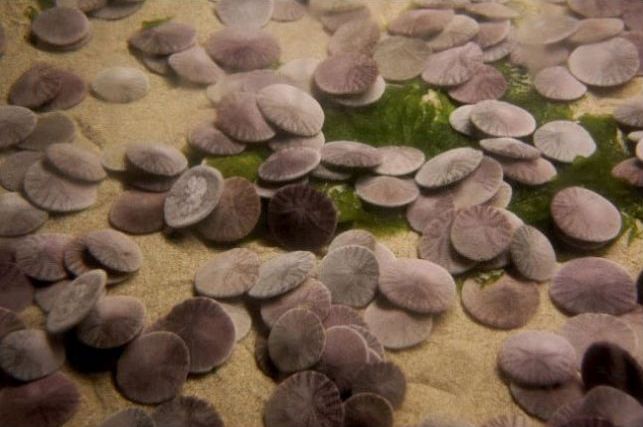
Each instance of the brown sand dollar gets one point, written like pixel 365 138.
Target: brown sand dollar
pixel 114 250
pixel 207 139
pixel 164 39
pixel 312 295
pixel 532 254
pixel 61 26
pixel 537 358
pixel 31 354
pixel 542 402
pixel 486 83
pixel 138 212
pixel 251 13
pixel 481 233
pixel 41 256
pixel 306 397
pixel 228 274
pixel 153 368
pixel 239 117
pixel 564 140
pixel 558 84
pixel 14 168
pixel 156 159
pixel 346 74
pixel 384 379
pixel 52 128
pixel 187 411
pixel 296 340
pixel 19 217
pixel 16 123
pixel 195 66
pixel 114 321
pixel 453 66
pixel 397 329
pixel 243 49
pixel 351 273
pixel 344 353
pixel 130 417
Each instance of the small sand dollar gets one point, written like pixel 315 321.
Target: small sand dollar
pixel 239 117
pixel 630 112
pixel 346 74
pixel 387 191
pixel 418 285
pixel 594 30
pixel 300 217
pixel 502 119
pixel 289 164
pixel 459 120
pixel 593 285
pixel 153 368
pixel 563 141
pixel 605 64
pixel 31 354
pixel 368 409
pixel 491 11
pixel 505 304
pixel 228 274
pixel 76 301
pixel 630 171
pixel 486 83
pixel 16 291
pixel 138 212
pixel 36 86
pixel 384 379
pixel 41 256
pixel 397 329
pixel 542 402
pixel 529 172
pixel 195 66
pixel 312 295
pixel 460 30
pixel 52 128
pixel 532 254
pixel 9 322
pixel 453 66
pixel 156 159
pixel 207 139
pixel 114 321
pixel 448 167
pixel 420 23
pixel 16 123
pixel 282 274
pixel 399 160
pixel 61 26
pixel 351 273
pixel 481 233
pixel 426 208
pixel 510 148
pixel 400 58
pixel 537 358
pixel 558 84
pixel 307 397
pixel 121 84
pixel 291 109
pixel 206 329
pixel 243 49
pixel 585 215
pixel 492 33
pixel 359 35
pixel 187 411
pixel 344 352
pixel 245 13
pixel 75 162
pixel 288 11
pixel 479 186
pixel 164 39
pixel 15 166
pixel 18 217
pixel 596 8
pixel 353 237
pixel 193 196
pixel 53 193
pixel 114 250
pixel 296 340
pixel 351 154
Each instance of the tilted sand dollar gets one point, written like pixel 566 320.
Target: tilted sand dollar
pixel 605 64
pixel 249 81
pixel 371 96
pixel 243 49
pixel 351 154
pixel 564 140
pixel 448 167
pixel 420 23
pixel 229 274
pixel 502 198
pixel 40 256
pixel 397 329
pixel 30 354
pixel 459 120
pixel 186 410
pixel 195 66
pixel 156 159
pixel 612 404
pixel 629 170
pixel 486 83
pixel 299 72
pixel 18 217
pixel 16 290
pixel 76 301
pixel 131 417
pixel 61 26
pixel 492 33
pixel 507 303
pixel 360 35
pixel 289 164
pixel 460 30
pixel 558 84
pixel 401 58
pixel 121 84
pixel 240 317
pixel 207 330
pixel 312 295
pixel 282 274
pixel 630 112
pixel 593 285
pixel 113 322
pixel 115 11
pixel 239 117
pixel 510 148
pixel 283 142
pixel 547 29
pixel 288 11
pixel 481 233
pixel 537 358
pixel 542 402
pixel 426 208
pixel 529 172
pixel 418 285
pixel 153 368
pixel 352 274
pixel 236 214
pixel 15 166
pixel 193 196
pixel 164 39
pixel 9 322
pixel 138 212
pixel 491 11
pixel 368 409
pixel 207 139
pixel 435 244
pixel 83 5
pixel 594 30
pixel 52 128
pixel 16 123
pixel 291 109
pixel 353 237
pixel 45 298
pixel 114 250
pixel 250 13
pixel 532 254
pixel 596 8
pixel 343 315
pixel 308 397
pixel 585 215
pixel 502 119
pixel 399 160
pixel 296 340
pixel 453 66
pixel 387 191
pixel 53 193
pixel 36 86
pixel 346 74
pixel 75 162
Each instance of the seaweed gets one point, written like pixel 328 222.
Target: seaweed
pixel 245 165
pixel 146 25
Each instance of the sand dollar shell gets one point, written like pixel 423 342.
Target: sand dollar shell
pixel 291 109
pixel 605 64
pixel 121 84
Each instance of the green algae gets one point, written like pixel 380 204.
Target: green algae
pixel 152 23
pixel 245 165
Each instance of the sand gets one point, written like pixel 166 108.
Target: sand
pixel 453 374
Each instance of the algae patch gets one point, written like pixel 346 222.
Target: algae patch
pixel 245 165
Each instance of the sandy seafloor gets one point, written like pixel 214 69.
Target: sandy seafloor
pixel 453 374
